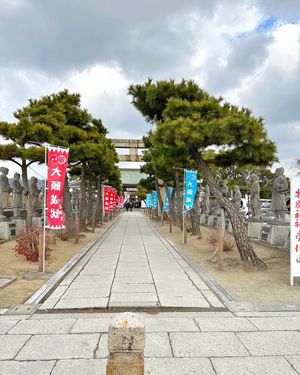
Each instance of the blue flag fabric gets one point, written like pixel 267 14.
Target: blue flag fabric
pixel 190 179
pixel 167 203
pixel 149 200
pixel 154 200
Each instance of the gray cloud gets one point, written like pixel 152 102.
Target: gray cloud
pixel 44 44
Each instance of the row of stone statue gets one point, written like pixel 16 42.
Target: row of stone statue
pixel 279 191
pixel 17 193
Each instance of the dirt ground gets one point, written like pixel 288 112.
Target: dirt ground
pixel 21 289
pixel 260 288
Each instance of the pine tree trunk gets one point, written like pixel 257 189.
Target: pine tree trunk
pixel 243 243
pixel 67 205
pixel 90 203
pixel 99 207
pixel 83 204
pixel 160 201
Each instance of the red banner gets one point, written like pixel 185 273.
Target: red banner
pixel 120 201
pixel 57 167
pixel 107 199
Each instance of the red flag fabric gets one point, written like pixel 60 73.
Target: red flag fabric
pixel 106 199
pixel 57 168
pixel 120 201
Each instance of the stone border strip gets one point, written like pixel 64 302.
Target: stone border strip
pixel 48 287
pixel 221 292
pixel 278 308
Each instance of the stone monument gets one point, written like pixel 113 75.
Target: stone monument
pixel 279 190
pixel 255 198
pixel 4 191
pixel 276 232
pixel 34 194
pixel 224 189
pixel 255 223
pixel 206 200
pixel 17 190
pixel 237 197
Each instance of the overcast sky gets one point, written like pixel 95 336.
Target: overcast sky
pixel 248 51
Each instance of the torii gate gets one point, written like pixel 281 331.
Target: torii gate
pixel 133 145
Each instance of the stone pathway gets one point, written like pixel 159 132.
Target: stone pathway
pixel 133 267
pixel 185 343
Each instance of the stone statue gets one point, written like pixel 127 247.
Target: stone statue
pixel 224 189
pixel 4 191
pixel 34 194
pixel 237 197
pixel 255 203
pixel 17 196
pixel 279 190
pixel 206 200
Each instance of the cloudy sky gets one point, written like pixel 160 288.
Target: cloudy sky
pixel 248 51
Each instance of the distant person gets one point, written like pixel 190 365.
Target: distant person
pixel 131 204
pixel 127 205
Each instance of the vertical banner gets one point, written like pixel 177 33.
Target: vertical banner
pixel 57 162
pixel 120 201
pixel 154 200
pixel 295 229
pixel 106 199
pixel 167 203
pixel 149 201
pixel 190 182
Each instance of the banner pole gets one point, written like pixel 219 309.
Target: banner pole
pixel 45 199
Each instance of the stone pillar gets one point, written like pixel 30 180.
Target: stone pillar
pixel 126 342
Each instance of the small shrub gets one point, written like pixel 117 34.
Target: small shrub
pixel 28 244
pixel 228 242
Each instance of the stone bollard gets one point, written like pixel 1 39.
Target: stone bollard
pixel 126 343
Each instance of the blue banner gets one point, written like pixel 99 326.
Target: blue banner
pixel 167 203
pixel 154 200
pixel 149 201
pixel 190 179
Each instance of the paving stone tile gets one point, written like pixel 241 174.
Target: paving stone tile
pixel 295 361
pixel 225 324
pixel 44 347
pixel 170 325
pixel 6 325
pixel 206 344
pixel 92 325
pixel 178 366
pixel 80 367
pixel 35 327
pixel 81 303
pixel 134 304
pixel 10 345
pixel 26 367
pixel 87 293
pixel 133 288
pixel 252 366
pixel 183 302
pixel 277 323
pixel 133 297
pixel 271 343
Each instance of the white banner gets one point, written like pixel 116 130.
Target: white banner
pixel 295 229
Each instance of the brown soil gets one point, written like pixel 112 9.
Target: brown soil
pixel 245 284
pixel 20 290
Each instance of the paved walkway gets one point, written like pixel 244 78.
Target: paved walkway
pixel 135 267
